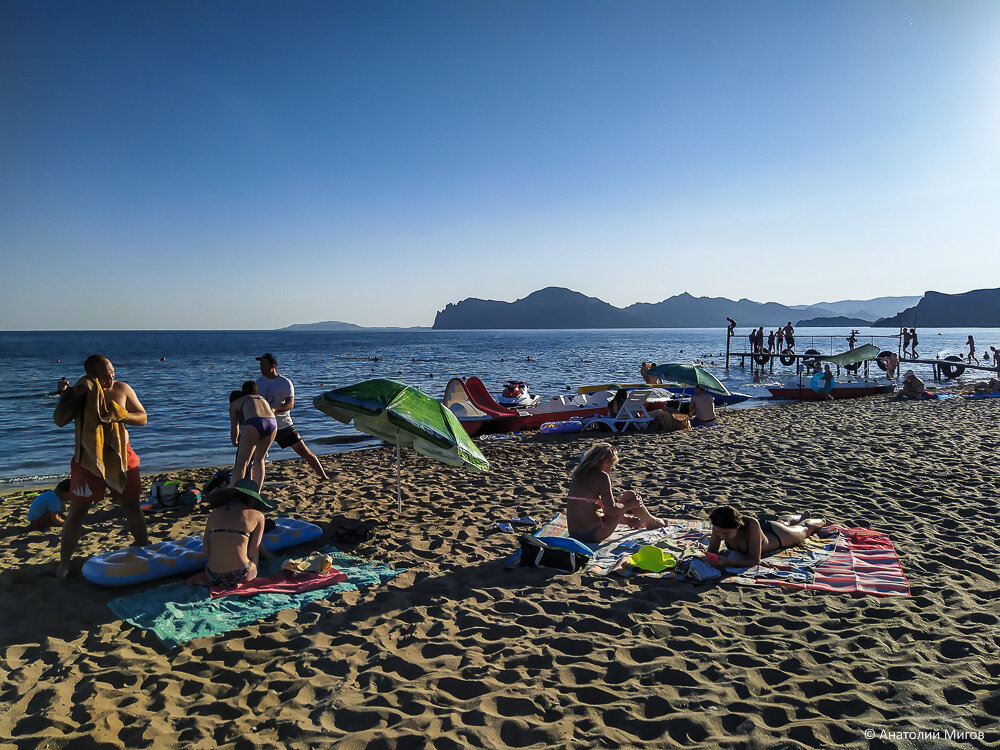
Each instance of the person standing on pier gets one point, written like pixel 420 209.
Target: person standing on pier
pixel 913 342
pixel 770 342
pixel 972 349
pixel 906 341
pixel 780 338
pixel 790 337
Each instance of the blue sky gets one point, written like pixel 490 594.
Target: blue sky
pixel 257 164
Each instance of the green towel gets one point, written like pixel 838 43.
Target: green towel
pixel 178 613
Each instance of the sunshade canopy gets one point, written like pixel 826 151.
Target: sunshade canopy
pixel 861 354
pixel 404 415
pixel 688 375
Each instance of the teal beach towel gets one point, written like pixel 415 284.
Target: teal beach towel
pixel 178 613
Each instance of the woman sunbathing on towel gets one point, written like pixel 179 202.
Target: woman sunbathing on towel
pixel 748 540
pixel 233 533
pixel 592 513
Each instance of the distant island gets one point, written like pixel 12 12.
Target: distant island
pixel 337 325
pixel 557 307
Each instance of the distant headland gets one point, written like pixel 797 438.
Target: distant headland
pixel 556 307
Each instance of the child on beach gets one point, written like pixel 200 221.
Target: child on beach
pixel 592 513
pixel 748 540
pixel 46 509
pixel 233 533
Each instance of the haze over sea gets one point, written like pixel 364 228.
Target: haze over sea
pixel 186 396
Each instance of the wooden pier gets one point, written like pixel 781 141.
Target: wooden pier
pixel 944 369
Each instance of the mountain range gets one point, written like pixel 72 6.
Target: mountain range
pixel 556 307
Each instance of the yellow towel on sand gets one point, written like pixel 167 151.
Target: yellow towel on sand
pixel 100 443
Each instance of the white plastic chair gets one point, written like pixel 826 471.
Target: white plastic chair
pixel 632 413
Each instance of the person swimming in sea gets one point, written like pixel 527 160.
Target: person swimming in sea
pixel 592 513
pixel 748 539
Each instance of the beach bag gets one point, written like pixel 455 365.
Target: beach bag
pixel 698 571
pixel 560 553
pixel 190 496
pixel 222 478
pixel 164 493
pixel 672 421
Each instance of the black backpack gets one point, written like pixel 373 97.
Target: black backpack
pixel 222 478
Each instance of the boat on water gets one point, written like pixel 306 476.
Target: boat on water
pixel 515 396
pixel 471 402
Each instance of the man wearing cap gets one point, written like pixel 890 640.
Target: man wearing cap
pixel 280 394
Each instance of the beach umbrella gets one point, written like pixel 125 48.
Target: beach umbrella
pixel 403 415
pixel 688 375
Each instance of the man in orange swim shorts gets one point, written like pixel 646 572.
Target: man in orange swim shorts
pixel 103 459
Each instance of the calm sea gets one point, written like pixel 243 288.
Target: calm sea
pixel 186 392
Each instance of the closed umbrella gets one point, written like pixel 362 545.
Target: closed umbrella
pixel 688 375
pixel 401 414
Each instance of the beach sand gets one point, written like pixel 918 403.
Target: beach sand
pixel 458 652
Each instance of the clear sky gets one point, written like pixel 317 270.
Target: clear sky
pixel 193 164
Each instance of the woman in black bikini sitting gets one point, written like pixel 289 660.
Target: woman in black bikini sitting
pixel 748 540
pixel 592 513
pixel 233 533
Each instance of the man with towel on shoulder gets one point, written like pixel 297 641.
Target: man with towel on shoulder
pixel 101 407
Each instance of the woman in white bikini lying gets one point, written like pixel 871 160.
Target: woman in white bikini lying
pixel 748 540
pixel 592 513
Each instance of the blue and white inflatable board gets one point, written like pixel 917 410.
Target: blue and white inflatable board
pixel 552 428
pixel 137 564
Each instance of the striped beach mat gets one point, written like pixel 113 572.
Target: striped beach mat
pixel 838 559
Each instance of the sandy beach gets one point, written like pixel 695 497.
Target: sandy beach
pixel 457 652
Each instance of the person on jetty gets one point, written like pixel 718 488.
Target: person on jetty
pixel 249 411
pixel 748 540
pixel 233 533
pixel 279 392
pixel 47 509
pixel 702 408
pixel 971 343
pixel 913 387
pixel 913 342
pixel 592 513
pixel 103 459
pixel 790 337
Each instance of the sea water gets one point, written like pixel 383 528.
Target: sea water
pixel 183 378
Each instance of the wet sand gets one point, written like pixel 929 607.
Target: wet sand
pixel 457 652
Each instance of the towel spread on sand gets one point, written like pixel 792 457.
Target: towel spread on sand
pixel 848 560
pixel 279 583
pixel 100 443
pixel 177 612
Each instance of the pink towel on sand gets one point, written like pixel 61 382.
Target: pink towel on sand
pixel 280 583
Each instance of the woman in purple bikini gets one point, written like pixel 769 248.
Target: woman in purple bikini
pixel 252 430
pixel 592 513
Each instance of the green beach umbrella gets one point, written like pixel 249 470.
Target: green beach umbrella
pixel 401 414
pixel 688 375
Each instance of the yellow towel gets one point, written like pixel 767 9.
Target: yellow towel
pixel 100 443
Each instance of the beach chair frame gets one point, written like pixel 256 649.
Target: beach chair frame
pixel 632 413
